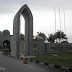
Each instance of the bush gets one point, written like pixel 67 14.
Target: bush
pixel 6 50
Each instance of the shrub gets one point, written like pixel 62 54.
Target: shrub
pixel 6 50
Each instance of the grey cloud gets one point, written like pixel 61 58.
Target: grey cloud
pixel 9 6
pixel 63 3
pixel 51 3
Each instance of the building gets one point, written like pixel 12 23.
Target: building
pixel 5 39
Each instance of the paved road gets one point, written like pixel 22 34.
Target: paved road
pixel 16 65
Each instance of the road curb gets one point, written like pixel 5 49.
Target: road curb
pixel 66 69
pixel 57 66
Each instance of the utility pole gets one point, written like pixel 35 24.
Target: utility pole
pixel 60 24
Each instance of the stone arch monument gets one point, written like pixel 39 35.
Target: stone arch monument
pixel 28 46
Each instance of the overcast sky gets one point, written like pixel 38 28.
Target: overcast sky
pixel 43 14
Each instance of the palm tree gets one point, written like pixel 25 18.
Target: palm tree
pixel 40 36
pixel 51 38
pixel 60 35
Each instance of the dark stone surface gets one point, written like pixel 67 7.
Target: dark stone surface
pixel 21 58
pixel 57 66
pixel 37 61
pixel 45 63
pixel 70 70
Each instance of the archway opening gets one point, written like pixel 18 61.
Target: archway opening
pixel 6 44
pixel 22 25
pixel 22 34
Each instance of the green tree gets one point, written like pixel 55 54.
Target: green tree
pixel 40 36
pixel 51 38
pixel 22 36
pixel 60 36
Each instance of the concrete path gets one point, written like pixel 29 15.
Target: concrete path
pixel 16 65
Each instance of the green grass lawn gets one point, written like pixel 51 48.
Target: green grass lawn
pixel 64 59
